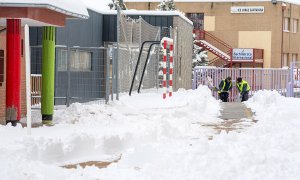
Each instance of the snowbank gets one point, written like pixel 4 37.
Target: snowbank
pixel 159 140
pixel 267 150
pixel 104 132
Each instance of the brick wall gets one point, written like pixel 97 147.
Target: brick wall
pixel 2 87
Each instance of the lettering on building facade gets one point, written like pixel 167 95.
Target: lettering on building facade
pixel 247 9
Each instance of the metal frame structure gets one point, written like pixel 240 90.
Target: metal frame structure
pixel 138 61
pixel 145 66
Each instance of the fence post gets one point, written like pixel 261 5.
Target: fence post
pixel 118 48
pixel 28 82
pixel 113 77
pixel 68 77
pixel 107 76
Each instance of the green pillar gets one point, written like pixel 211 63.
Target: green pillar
pixel 48 73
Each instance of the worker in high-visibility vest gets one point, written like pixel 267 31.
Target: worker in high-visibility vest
pixel 243 88
pixel 224 87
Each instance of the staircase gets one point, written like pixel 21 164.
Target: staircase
pixel 216 46
pixel 218 62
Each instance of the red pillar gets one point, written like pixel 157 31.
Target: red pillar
pixel 13 70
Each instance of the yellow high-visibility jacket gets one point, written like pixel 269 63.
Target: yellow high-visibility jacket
pixel 243 87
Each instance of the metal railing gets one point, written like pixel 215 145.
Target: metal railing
pixel 213 40
pixel 258 79
pixel 36 89
pixel 219 62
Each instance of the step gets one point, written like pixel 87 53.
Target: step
pixel 213 48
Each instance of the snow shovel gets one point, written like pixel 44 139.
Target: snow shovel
pixel 210 84
pixel 239 97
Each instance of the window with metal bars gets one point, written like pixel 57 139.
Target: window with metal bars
pixel 197 19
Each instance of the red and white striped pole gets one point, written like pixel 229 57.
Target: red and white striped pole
pixel 171 71
pixel 167 42
pixel 165 70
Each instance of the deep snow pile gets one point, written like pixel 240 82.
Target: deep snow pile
pixel 158 140
pixel 267 150
pixel 103 132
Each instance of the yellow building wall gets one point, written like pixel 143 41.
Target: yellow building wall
pixel 259 40
pixel 210 22
pixel 227 25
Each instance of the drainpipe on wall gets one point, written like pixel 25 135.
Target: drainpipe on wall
pixel 283 7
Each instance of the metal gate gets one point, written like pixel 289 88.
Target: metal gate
pixel 294 85
pixel 258 79
pixel 82 74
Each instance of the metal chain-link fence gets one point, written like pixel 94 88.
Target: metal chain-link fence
pixel 81 75
pixel 132 33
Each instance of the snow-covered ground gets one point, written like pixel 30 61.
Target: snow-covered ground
pixel 158 140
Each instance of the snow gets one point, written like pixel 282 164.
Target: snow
pixel 214 48
pixel 97 5
pixel 158 139
pixel 73 8
pixel 287 1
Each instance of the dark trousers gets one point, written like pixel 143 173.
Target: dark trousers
pixel 245 96
pixel 224 96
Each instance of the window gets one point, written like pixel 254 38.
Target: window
pixel 295 26
pixel 197 19
pixel 285 59
pixel 81 61
pixel 286 25
pixel 62 55
pixel 1 67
